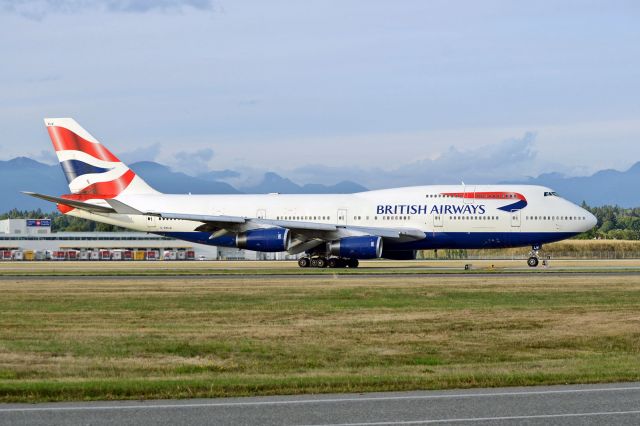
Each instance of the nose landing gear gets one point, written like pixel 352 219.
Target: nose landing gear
pixel 534 256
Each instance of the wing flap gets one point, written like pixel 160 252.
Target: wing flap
pixel 204 218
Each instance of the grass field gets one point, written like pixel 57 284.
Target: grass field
pixel 72 339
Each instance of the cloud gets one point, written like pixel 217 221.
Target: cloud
pixel 38 9
pixel 142 6
pixel 192 162
pixel 145 153
pixel 489 163
pixel 45 156
pixel 511 159
pixel 219 174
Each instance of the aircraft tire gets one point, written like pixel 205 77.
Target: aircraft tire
pixel 333 262
pixel 532 262
pixel 303 262
pixel 353 263
pixel 321 262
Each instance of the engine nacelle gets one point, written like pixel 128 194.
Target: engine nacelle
pixel 357 247
pixel 268 239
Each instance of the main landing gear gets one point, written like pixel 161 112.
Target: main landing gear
pixel 323 262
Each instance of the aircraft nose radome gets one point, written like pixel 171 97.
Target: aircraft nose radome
pixel 591 221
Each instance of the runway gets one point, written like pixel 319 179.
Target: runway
pixel 288 270
pixel 617 403
pixel 372 267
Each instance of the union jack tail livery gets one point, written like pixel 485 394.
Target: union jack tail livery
pixel 92 171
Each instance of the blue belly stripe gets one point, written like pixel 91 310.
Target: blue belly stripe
pixel 432 240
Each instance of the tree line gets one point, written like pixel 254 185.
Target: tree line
pixel 61 222
pixel 614 222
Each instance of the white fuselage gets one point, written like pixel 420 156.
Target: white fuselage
pixel 426 208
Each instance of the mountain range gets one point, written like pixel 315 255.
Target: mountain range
pixel 606 187
pixel 25 174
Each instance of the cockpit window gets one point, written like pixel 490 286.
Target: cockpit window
pixel 551 194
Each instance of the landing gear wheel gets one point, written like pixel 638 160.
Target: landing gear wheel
pixel 333 262
pixel 303 262
pixel 314 262
pixel 532 262
pixel 353 263
pixel 321 262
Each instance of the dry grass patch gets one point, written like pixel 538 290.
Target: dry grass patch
pixel 70 339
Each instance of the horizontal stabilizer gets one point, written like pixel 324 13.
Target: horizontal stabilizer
pixel 121 207
pixel 72 203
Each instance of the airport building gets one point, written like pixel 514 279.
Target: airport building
pixel 32 239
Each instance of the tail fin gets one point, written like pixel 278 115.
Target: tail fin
pixel 91 169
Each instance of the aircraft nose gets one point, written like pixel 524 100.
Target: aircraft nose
pixel 591 220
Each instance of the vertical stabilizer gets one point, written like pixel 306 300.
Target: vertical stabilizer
pixel 92 171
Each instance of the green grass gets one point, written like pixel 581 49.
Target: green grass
pixel 175 337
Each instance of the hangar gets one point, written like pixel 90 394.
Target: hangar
pixel 33 239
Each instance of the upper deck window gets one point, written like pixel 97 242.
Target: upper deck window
pixel 550 194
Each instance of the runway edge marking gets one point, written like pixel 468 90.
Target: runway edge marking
pixel 151 405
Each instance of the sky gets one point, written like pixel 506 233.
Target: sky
pixel 384 93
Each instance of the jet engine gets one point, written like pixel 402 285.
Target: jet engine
pixel 268 239
pixel 367 247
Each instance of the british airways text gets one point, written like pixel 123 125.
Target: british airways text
pixel 435 209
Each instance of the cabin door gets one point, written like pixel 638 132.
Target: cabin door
pixel 342 217
pixel 515 220
pixel 152 222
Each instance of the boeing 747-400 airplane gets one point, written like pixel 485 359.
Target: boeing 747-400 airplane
pixel 332 230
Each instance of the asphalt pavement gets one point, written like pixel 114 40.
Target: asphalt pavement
pixel 603 404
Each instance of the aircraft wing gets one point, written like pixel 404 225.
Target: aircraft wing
pixel 304 234
pixel 313 229
pixel 346 230
pixel 307 235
